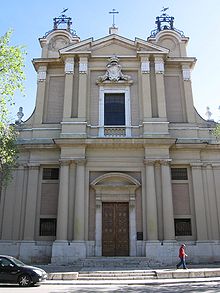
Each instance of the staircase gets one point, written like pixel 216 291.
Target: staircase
pixel 113 263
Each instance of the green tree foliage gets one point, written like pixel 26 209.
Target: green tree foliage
pixel 216 131
pixel 11 79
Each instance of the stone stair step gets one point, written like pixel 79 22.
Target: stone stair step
pixel 116 278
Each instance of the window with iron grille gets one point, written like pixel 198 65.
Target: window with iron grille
pixel 179 174
pixel 48 227
pixel 114 109
pixel 183 227
pixel 50 173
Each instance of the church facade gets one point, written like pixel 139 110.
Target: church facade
pixel 115 160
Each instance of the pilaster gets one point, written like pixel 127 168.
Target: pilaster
pixel 168 217
pixel 41 87
pixel 132 224
pixel 201 223
pixel 79 213
pixel 31 202
pixel 216 173
pixel 62 214
pixel 72 184
pixel 98 226
pixel 190 112
pixel 83 72
pixel 212 202
pixel 160 89
pixel 146 89
pixel 68 91
pixel 151 202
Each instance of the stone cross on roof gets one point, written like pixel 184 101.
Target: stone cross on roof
pixel 113 12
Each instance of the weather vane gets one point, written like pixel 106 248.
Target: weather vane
pixel 113 12
pixel 164 9
pixel 64 10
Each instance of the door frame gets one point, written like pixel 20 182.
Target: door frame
pixel 115 187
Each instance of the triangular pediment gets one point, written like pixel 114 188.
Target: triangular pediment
pixel 113 44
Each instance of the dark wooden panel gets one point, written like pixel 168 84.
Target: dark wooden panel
pixel 115 229
pixel 122 229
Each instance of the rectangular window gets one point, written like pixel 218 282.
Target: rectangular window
pixel 50 173
pixel 48 227
pixel 179 174
pixel 183 227
pixel 114 109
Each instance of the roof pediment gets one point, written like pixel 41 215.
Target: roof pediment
pixel 113 44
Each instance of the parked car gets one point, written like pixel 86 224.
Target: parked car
pixel 13 270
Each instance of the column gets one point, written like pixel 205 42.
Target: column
pixel 83 71
pixel 62 214
pixel 68 92
pixel 212 203
pixel 98 225
pixel 168 218
pixel 132 223
pixel 151 202
pixel 72 184
pixel 31 202
pixel 190 111
pixel 201 223
pixel 41 87
pixel 146 90
pixel 79 214
pixel 216 172
pixel 160 89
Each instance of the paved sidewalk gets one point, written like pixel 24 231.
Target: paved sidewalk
pixel 132 277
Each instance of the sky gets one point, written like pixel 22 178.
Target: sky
pixel 199 19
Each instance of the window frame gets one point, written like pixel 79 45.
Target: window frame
pixel 115 89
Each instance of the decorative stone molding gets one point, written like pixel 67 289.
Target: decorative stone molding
pixel 83 66
pixel 113 71
pixel 65 162
pixel 132 203
pixel 159 66
pixel 165 162
pixel 58 42
pixel 145 67
pixel 69 66
pixel 149 162
pixel 98 203
pixel 80 162
pixel 42 73
pixel 157 162
pixel 33 166
pixel 186 74
pixel 196 165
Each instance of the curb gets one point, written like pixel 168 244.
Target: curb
pixel 131 282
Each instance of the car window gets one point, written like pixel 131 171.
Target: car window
pixel 4 262
pixel 17 262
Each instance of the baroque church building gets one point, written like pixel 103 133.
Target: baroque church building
pixel 115 160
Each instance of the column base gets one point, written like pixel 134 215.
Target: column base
pixel 64 252
pixel 161 253
pixel 31 252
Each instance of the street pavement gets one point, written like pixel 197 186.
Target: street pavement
pixel 204 287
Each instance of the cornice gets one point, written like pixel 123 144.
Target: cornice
pixel 189 61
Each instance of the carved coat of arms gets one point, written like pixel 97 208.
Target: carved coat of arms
pixel 113 71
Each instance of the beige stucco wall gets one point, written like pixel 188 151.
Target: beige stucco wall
pixel 166 132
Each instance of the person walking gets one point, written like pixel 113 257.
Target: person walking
pixel 182 256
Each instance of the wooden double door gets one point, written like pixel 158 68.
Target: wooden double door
pixel 115 229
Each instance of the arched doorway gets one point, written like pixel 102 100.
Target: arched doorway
pixel 115 231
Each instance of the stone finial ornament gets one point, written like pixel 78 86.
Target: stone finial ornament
pixel 20 115
pixel 208 113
